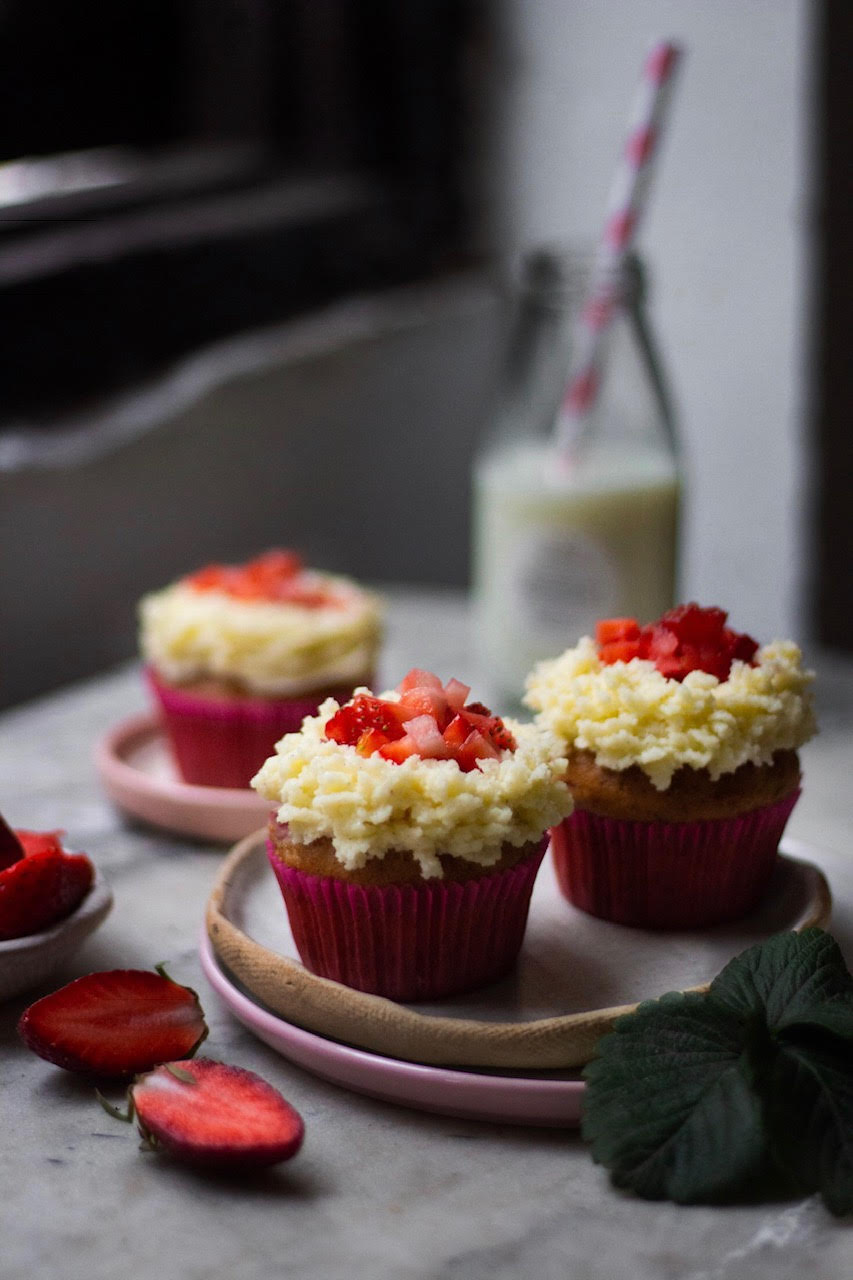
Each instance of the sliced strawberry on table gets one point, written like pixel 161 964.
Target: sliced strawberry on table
pixel 115 1023
pixel 11 849
pixel 42 887
pixel 212 1114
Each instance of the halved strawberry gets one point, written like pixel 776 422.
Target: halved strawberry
pixel 11 849
pixel 42 887
pixel 216 1115
pixel 115 1023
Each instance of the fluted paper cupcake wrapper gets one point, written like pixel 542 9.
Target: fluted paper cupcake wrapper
pixel 222 742
pixel 669 875
pixel 409 942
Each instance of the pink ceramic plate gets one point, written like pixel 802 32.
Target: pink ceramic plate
pixel 136 768
pixel 553 1101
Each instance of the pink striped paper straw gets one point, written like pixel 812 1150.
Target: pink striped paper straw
pixel 625 207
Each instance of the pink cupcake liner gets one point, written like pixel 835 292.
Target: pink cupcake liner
pixel 409 942
pixel 222 742
pixel 669 875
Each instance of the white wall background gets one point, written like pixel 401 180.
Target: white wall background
pixel 725 237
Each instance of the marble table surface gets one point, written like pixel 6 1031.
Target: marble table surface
pixel 378 1191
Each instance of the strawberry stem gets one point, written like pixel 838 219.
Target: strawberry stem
pixel 179 1073
pixel 116 1112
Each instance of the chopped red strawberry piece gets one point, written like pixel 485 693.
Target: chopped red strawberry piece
pixel 400 750
pixel 475 747
pixel 688 638
pixel 456 692
pixel 216 1115
pixel 115 1023
pixel 457 731
pixel 419 679
pixel 742 646
pixel 423 701
pixel 11 849
pixel 610 629
pixel 42 887
pixel 371 740
pixel 693 624
pixel 427 737
pixel 275 576
pixel 619 650
pixel 364 712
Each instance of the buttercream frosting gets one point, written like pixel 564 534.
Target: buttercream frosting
pixel 627 713
pixel 368 806
pixel 271 647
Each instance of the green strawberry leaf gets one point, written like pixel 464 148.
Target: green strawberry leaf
pixel 670 1105
pixel 791 980
pixel 810 1116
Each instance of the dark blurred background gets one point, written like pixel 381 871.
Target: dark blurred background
pixel 249 294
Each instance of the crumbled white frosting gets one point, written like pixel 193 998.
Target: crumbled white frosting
pixel 368 806
pixel 627 713
pixel 273 648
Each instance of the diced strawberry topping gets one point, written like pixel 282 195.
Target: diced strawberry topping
pixel 42 885
pixel 419 679
pixel 364 712
pixel 611 629
pixel 429 720
pixel 688 638
pixel 457 694
pixel 276 576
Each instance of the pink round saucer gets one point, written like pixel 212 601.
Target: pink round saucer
pixel 506 1099
pixel 136 768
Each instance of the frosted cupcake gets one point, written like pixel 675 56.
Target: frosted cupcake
pixel 682 739
pixel 406 836
pixel 237 655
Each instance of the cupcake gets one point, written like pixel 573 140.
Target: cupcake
pixel 406 835
pixel 681 738
pixel 237 655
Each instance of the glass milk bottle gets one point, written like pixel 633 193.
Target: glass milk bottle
pixel 563 538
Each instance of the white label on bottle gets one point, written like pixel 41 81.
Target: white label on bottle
pixel 562 582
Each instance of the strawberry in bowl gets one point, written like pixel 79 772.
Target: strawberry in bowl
pixel 40 884
pixel 50 901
